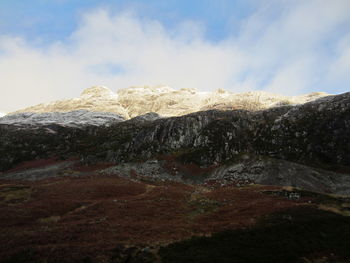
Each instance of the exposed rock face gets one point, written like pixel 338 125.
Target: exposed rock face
pixel 163 100
pixel 268 171
pixel 315 132
pixel 151 169
pixel 246 171
pixel 78 118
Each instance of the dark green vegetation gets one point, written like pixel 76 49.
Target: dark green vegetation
pixel 19 145
pixel 338 204
pixel 294 235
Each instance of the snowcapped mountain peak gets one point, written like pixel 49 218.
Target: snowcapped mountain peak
pixel 145 90
pixel 166 101
pixel 98 92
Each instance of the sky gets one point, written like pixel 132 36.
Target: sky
pixel 54 49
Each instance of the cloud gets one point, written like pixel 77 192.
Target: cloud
pixel 287 47
pixel 338 74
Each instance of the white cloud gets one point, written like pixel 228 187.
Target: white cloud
pixel 339 68
pixel 279 48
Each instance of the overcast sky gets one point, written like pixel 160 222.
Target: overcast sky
pixel 53 49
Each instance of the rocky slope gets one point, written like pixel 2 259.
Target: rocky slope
pixel 135 101
pixel 78 118
pixel 312 133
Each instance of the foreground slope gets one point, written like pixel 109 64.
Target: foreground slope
pixel 86 217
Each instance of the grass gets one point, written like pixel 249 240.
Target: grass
pixel 49 220
pixel 332 203
pixel 14 194
pixel 201 204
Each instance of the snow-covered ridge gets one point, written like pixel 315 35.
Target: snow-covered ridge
pixel 78 118
pixel 135 101
pixel 94 99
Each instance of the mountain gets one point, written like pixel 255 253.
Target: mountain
pixel 165 101
pixel 95 99
pixel 268 181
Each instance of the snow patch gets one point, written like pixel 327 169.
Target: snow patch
pixel 78 118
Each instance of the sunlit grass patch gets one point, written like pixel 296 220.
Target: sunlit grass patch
pixel 14 193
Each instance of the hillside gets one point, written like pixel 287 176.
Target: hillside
pixel 208 186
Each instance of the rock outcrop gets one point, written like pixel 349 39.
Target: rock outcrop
pixel 269 171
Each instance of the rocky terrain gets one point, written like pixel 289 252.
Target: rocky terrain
pixel 78 119
pixel 95 186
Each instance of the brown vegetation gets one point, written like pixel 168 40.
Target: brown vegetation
pixel 91 215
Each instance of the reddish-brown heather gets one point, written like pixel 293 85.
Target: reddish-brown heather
pixel 93 214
